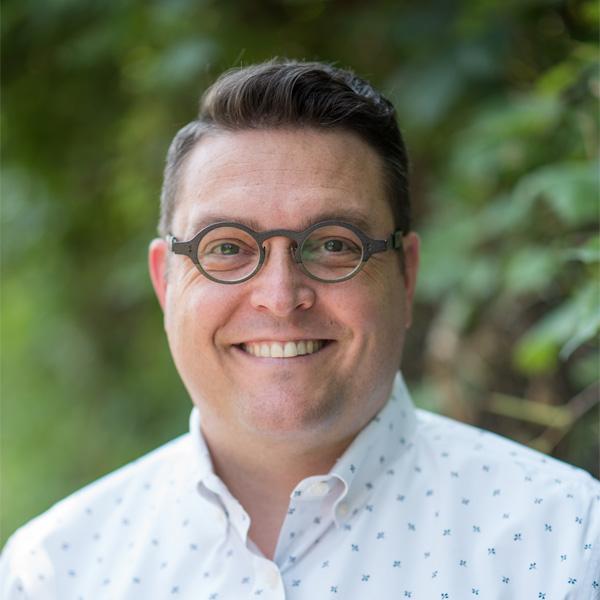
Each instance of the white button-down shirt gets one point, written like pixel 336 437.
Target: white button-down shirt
pixel 419 506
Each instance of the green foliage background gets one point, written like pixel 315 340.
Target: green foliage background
pixel 498 101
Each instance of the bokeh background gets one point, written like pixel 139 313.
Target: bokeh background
pixel 498 101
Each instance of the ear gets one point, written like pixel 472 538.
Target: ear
pixel 157 264
pixel 412 245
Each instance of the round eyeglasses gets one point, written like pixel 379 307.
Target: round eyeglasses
pixel 329 251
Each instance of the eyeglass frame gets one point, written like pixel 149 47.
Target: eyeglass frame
pixel 370 246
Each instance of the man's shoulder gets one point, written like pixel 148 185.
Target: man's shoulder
pixel 512 502
pixel 473 451
pixel 106 493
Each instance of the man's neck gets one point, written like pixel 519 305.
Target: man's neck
pixel 262 476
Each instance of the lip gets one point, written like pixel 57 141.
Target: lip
pixel 279 337
pixel 270 340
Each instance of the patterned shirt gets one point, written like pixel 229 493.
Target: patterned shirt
pixel 419 506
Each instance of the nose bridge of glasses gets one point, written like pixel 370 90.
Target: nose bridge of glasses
pixel 294 236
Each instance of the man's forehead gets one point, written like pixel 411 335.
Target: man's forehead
pixel 318 175
pixel 319 159
pixel 199 218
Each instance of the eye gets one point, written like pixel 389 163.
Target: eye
pixel 334 246
pixel 226 249
pixel 338 244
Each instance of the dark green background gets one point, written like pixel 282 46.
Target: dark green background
pixel 498 101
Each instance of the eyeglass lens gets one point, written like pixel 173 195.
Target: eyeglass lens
pixel 329 253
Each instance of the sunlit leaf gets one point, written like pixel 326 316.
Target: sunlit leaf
pixel 570 189
pixel 588 253
pixel 586 311
pixel 530 269
pixel 561 331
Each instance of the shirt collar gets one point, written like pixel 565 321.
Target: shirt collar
pixel 368 457
pixel 374 451
pixel 202 463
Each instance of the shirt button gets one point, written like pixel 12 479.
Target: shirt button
pixel 273 577
pixel 343 509
pixel 321 488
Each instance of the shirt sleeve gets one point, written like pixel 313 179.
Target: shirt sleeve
pixel 26 572
pixel 591 579
pixel 590 542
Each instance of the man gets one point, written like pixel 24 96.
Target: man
pixel 286 270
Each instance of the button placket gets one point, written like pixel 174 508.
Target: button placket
pixel 267 582
pixel 343 509
pixel 318 489
pixel 309 516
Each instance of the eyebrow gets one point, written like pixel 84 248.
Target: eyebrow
pixel 355 217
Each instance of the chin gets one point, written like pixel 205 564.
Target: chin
pixel 286 413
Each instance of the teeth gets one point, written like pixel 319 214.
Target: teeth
pixel 283 350
pixel 290 350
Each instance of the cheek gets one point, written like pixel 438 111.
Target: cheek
pixel 193 316
pixel 386 315
pixel 374 310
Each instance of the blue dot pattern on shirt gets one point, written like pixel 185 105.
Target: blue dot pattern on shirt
pixel 419 506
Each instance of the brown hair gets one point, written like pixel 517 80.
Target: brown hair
pixel 295 94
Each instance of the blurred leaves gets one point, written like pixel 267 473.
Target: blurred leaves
pixel 511 255
pixel 570 190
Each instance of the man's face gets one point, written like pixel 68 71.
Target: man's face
pixel 285 179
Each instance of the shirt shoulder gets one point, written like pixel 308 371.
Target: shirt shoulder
pixel 519 502
pixel 138 474
pixel 33 547
pixel 476 449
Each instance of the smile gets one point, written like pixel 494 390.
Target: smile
pixel 282 349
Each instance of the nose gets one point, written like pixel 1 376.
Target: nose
pixel 280 287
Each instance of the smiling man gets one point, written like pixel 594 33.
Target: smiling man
pixel 287 366
pixel 286 269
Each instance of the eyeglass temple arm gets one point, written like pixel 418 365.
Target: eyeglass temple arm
pixel 395 240
pixel 392 243
pixel 176 247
